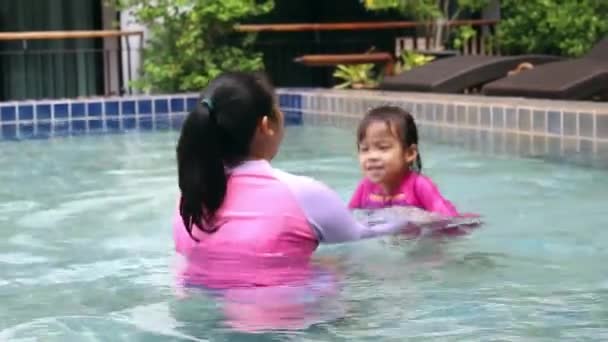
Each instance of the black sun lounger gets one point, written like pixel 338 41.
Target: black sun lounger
pixel 575 79
pixel 455 74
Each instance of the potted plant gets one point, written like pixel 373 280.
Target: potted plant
pixel 355 76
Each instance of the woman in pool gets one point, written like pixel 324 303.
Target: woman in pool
pixel 235 207
pixel 387 141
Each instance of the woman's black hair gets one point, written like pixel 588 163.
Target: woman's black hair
pixel 398 120
pixel 217 134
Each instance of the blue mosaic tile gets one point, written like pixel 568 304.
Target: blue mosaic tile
pixel 473 115
pixel 525 120
pixel 570 125
pixel 586 146
pixel 43 128
pixel 461 114
pixel 498 118
pixel 61 128
pixel 297 101
pixel 485 116
pixel 26 130
pixel 419 111
pixel 293 117
pixel 144 107
pixel 78 126
pixel 511 118
pixel 177 121
pixel 554 146
pixel 554 122
pixel 162 122
pixel 112 108
pixel 538 121
pixel 191 103
pixel 113 125
pixel 585 125
pixel 450 113
pixel 161 106
pixel 26 112
pixel 439 112
pixel 78 110
pixel 145 122
pixel 61 110
pixel 9 131
pixel 8 113
pixel 43 112
pixel 601 125
pixel 129 123
pixel 128 108
pixel 177 105
pixel 95 109
pixel 95 125
pixel 429 112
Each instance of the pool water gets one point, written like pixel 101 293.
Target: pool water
pixel 86 250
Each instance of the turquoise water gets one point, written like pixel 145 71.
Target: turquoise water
pixel 86 250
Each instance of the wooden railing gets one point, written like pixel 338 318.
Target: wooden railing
pixel 355 26
pixel 414 41
pixel 286 43
pixel 51 64
pixel 53 35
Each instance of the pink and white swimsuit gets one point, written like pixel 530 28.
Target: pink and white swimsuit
pixel 269 216
pixel 415 190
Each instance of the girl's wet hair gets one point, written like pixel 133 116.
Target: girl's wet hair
pixel 217 134
pixel 399 121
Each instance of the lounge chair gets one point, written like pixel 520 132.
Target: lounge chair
pixel 455 74
pixel 574 79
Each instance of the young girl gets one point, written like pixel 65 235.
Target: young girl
pixel 387 140
pixel 237 214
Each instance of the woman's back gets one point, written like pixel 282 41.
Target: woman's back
pixel 260 225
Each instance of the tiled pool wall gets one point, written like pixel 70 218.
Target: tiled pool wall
pixel 574 131
pixel 43 119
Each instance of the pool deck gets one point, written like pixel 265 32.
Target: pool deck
pixel 575 131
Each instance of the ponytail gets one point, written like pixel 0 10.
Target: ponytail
pixel 201 174
pixel 217 134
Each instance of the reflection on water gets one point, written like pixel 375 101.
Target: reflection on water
pixel 308 294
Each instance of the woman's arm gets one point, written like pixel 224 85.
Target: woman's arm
pixel 330 217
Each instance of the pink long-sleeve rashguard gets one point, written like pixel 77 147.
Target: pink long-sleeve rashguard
pixel 415 190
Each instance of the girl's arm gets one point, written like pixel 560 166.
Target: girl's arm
pixel 431 199
pixel 355 201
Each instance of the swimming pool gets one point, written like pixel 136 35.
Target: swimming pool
pixel 86 249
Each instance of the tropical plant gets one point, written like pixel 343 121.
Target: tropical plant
pixel 411 59
pixel 355 76
pixel 192 41
pixel 463 35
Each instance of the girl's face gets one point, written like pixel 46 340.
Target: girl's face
pixel 382 157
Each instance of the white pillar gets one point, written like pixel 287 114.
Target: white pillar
pixel 131 47
pixel 110 56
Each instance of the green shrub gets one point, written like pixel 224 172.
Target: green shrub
pixel 560 27
pixel 192 41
